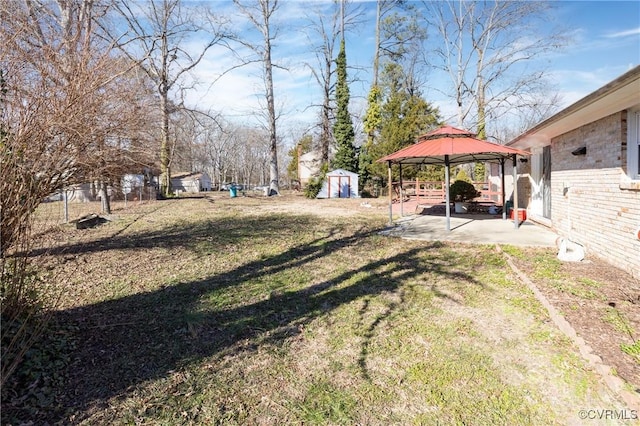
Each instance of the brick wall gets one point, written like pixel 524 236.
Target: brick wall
pixel 587 201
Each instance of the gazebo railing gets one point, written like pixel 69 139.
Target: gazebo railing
pixel 434 191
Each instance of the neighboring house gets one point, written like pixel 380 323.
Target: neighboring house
pixel 190 182
pixel 584 172
pixel 132 187
pixel 136 186
pixel 310 163
pixel 339 183
pixel 308 166
pixel 82 193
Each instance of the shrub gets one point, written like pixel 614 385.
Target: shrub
pixel 313 187
pixel 462 191
pixel 366 194
pixel 315 183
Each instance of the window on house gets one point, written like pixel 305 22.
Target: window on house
pixel 633 143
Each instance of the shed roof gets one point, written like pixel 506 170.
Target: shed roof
pixel 341 172
pixel 185 175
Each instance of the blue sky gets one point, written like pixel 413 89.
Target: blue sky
pixel 605 44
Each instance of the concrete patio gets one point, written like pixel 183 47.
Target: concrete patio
pixel 478 229
pixel 430 224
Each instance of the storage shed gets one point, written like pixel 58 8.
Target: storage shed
pixel 190 182
pixel 339 183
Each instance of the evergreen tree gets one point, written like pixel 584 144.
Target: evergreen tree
pixel 343 132
pixel 404 116
pixel 371 123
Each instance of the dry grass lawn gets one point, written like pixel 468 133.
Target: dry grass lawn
pixel 284 310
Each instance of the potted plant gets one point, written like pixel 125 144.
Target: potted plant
pixel 461 192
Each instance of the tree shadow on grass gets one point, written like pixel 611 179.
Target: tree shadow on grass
pixel 205 236
pixel 144 337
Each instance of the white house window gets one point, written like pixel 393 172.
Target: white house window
pixel 633 144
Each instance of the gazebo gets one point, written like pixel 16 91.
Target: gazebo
pixel 450 146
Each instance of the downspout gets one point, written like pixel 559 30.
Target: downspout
pixel 569 213
pixel 568 250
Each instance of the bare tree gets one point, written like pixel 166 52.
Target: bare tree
pixel 64 119
pixel 483 48
pixel 63 105
pixel 322 34
pixel 398 41
pixel 260 14
pixel 218 145
pixel 397 32
pixel 157 32
pixel 253 154
pixel 184 142
pixel 372 118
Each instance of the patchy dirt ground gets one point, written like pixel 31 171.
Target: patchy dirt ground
pixel 600 302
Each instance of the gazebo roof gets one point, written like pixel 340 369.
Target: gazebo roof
pixel 459 145
pixel 448 145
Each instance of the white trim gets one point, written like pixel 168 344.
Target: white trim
pixel 633 143
pixel 618 95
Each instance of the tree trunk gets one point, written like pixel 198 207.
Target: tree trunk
pixel 165 151
pixel 163 89
pixel 274 187
pixel 482 125
pixel 104 197
pixel 325 132
pixel 376 54
pixel 376 65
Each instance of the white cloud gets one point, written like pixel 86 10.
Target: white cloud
pixel 626 33
pixel 576 84
pixel 588 64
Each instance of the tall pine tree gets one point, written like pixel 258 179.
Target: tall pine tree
pixel 345 157
pixel 371 123
pixel 404 115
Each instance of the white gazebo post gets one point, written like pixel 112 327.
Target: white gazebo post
pixel 400 191
pixel 446 192
pixel 502 190
pixel 515 193
pixel 390 195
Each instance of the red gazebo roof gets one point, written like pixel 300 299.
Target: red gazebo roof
pixel 459 145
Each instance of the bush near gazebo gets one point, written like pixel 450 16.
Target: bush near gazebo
pixel 462 191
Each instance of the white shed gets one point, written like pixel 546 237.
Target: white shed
pixel 339 183
pixel 190 182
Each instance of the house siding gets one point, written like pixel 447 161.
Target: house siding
pixel 588 204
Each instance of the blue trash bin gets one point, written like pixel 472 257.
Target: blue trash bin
pixel 233 191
